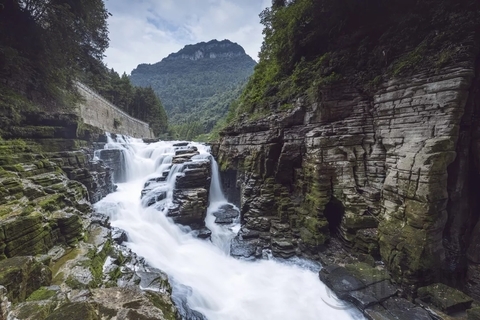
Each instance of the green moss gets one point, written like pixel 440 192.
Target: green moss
pixel 58 279
pixel 115 274
pixel 51 203
pixel 366 273
pixel 473 313
pixel 445 298
pixel 36 310
pixel 41 294
pixel 167 307
pixel 19 168
pixel 410 60
pixel 27 210
pixel 97 260
pixel 69 255
pixel 74 311
pixel 75 284
pixel 444 57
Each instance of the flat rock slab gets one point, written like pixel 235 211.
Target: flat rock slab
pixel 340 280
pixel 371 291
pixel 367 274
pixel 371 295
pixel 445 298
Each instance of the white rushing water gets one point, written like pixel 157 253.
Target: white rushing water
pixel 222 287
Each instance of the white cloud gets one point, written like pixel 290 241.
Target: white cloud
pixel 149 30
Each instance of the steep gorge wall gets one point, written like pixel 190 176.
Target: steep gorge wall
pixel 100 113
pixel 391 173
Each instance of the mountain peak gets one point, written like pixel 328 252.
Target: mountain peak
pixel 208 50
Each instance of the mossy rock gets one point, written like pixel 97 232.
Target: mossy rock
pixel 74 311
pixel 473 314
pixel 22 276
pixel 163 303
pixel 51 203
pixel 34 310
pixel 445 298
pixel 366 273
pixel 356 222
pixel 44 293
pixel 313 232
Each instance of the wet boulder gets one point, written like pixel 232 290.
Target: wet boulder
pixel 184 154
pixel 195 175
pixel 189 207
pixel 226 214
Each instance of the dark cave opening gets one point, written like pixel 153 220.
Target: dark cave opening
pixel 334 211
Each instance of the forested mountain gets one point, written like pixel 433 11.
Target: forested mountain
pixel 197 84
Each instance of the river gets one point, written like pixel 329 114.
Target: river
pixel 219 286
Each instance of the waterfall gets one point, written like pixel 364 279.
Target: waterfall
pixel 211 282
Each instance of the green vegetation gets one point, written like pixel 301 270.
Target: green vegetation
pixel 41 294
pixel 312 45
pixel 46 45
pixel 141 103
pixel 197 84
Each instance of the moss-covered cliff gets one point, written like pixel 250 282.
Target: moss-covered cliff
pixel 53 248
pixel 363 127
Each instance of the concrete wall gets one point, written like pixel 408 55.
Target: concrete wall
pixel 98 112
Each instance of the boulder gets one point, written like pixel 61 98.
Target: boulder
pixel 226 214
pixel 189 207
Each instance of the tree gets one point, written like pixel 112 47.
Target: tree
pixel 45 44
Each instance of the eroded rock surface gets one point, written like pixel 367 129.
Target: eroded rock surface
pixel 382 171
pixel 192 184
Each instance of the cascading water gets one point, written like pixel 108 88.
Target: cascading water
pixel 220 287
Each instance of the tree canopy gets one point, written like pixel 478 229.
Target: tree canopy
pixel 45 44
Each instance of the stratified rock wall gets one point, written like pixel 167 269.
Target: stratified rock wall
pixel 370 168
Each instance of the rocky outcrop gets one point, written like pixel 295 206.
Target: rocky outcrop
pixel 371 290
pixel 57 258
pixel 390 173
pixel 192 184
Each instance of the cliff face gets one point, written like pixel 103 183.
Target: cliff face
pixel 209 50
pixel 51 241
pixel 392 173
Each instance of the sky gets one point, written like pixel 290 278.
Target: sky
pixel 146 31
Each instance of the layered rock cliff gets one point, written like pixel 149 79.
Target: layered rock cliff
pixel 392 173
pixel 57 257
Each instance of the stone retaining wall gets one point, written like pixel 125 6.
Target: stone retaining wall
pixel 98 112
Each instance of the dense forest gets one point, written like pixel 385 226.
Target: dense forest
pixel 197 84
pixel 46 45
pixel 312 44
